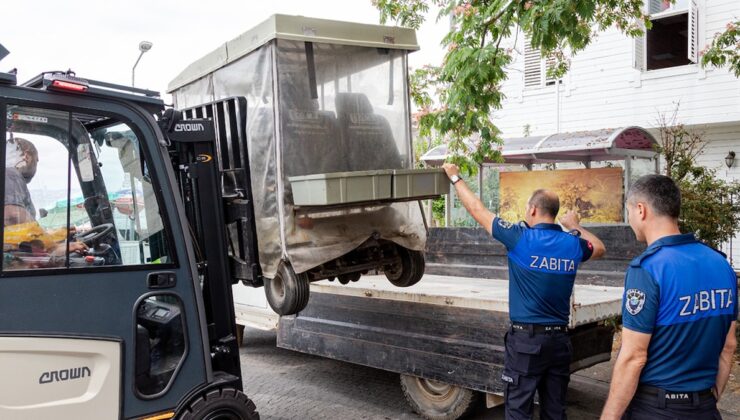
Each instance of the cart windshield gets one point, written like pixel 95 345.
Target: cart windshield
pixel 342 108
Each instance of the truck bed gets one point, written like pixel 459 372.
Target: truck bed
pixel 589 303
pixel 445 328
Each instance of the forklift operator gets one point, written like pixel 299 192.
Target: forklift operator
pixel 21 160
pixel 543 261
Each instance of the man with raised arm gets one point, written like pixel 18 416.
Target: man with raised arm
pixel 543 260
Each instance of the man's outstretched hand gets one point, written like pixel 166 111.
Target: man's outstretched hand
pixel 451 169
pixel 570 220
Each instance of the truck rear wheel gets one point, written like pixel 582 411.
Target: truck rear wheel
pixel 221 404
pixel 287 292
pixel 409 270
pixel 436 400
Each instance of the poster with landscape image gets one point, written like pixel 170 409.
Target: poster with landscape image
pixel 596 194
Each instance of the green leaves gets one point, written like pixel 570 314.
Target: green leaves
pixel 408 13
pixel 456 100
pixel 724 49
pixel 710 206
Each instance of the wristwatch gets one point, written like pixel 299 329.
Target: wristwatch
pixel 454 179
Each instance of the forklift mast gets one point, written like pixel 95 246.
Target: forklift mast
pixel 193 155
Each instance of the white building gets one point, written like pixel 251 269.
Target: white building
pixel 619 81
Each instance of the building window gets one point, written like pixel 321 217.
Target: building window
pixel 673 39
pixel 536 67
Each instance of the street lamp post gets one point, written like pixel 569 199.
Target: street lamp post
pixel 144 46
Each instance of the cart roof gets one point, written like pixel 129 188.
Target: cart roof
pixel 297 28
pixel 593 145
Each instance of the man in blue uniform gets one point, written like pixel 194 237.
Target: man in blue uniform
pixel 542 268
pixel 679 311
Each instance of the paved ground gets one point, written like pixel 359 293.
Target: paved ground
pixel 293 386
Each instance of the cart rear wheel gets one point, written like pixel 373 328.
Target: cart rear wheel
pixel 436 400
pixel 221 404
pixel 409 270
pixel 287 292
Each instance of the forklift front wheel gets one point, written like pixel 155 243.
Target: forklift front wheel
pixel 287 292
pixel 409 270
pixel 437 400
pixel 222 404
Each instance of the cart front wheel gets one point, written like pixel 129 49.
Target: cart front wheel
pixel 408 271
pixel 287 292
pixel 436 400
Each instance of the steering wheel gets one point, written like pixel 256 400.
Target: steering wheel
pixel 90 237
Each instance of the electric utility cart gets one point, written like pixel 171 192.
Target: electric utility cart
pixel 325 134
pixel 288 161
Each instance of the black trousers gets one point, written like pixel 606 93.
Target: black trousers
pixel 651 407
pixel 536 362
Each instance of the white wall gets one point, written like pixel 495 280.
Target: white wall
pixel 603 89
pixel 720 140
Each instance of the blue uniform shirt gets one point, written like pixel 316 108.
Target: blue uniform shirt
pixel 542 268
pixel 684 294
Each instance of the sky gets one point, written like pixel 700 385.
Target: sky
pixel 99 39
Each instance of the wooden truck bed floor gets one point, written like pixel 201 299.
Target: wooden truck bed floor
pixel 589 303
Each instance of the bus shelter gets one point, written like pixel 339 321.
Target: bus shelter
pixel 631 148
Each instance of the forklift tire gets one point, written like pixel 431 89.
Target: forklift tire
pixel 221 404
pixel 409 271
pixel 435 400
pixel 287 292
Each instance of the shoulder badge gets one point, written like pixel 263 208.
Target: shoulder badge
pixel 635 301
pixel 504 224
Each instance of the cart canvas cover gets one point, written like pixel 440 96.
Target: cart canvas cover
pixel 322 97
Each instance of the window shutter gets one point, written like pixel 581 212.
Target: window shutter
pixel 693 35
pixel 532 65
pixel 639 58
pixel 549 65
pixel 638 53
pixel 655 6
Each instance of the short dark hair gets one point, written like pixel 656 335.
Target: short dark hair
pixel 547 201
pixel 658 191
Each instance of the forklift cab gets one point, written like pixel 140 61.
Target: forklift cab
pixel 105 309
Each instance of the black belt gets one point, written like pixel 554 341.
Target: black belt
pixel 538 329
pixel 669 397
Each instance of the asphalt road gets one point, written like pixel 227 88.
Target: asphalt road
pixel 288 385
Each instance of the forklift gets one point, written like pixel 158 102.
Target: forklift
pixel 115 289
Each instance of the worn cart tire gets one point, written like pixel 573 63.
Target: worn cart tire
pixel 435 400
pixel 409 271
pixel 287 292
pixel 221 404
